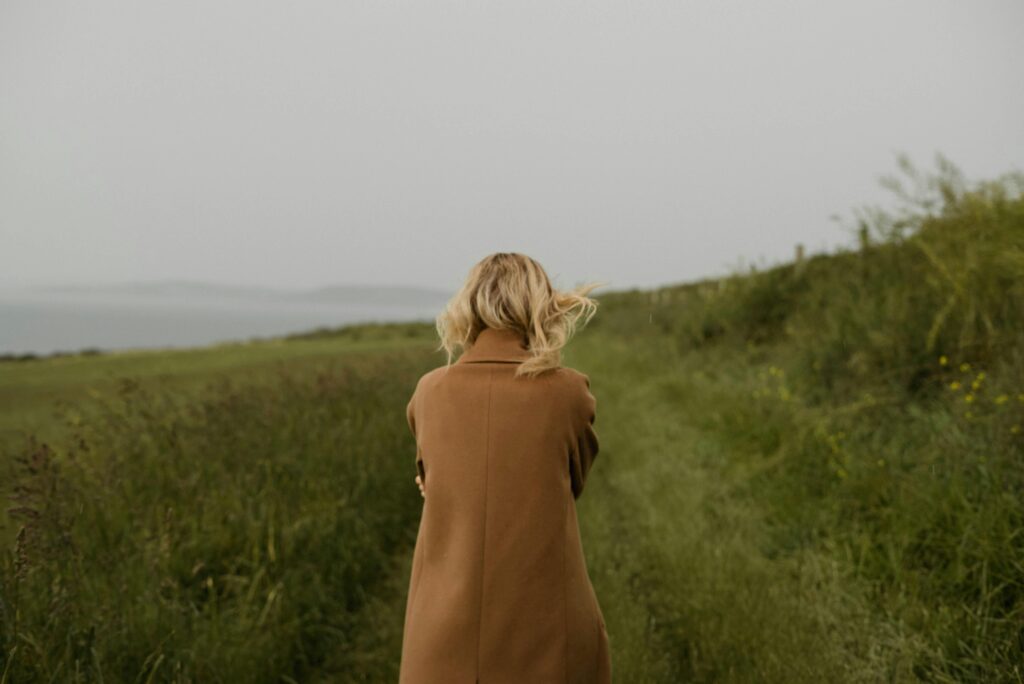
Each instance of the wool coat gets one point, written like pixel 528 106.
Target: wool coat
pixel 499 591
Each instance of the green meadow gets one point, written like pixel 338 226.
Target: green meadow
pixel 812 472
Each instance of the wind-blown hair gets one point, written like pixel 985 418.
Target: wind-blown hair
pixel 511 290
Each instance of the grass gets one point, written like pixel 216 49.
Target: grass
pixel 807 473
pixel 31 389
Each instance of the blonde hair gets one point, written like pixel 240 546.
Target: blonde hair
pixel 511 290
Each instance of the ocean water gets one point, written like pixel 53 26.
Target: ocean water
pixel 43 324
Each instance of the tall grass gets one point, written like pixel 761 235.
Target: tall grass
pixel 228 539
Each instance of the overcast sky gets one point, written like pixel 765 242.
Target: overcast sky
pixel 299 144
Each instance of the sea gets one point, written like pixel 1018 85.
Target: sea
pixel 45 323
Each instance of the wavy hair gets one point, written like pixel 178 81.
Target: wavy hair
pixel 511 290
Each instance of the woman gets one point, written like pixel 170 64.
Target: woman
pixel 499 591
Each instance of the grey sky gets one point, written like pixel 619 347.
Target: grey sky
pixel 300 144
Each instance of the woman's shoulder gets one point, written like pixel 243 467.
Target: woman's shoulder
pixel 575 381
pixel 574 375
pixel 571 385
pixel 430 377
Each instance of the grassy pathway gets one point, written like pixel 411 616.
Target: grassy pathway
pixel 679 552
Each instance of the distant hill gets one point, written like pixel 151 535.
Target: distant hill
pixel 377 294
pixel 341 294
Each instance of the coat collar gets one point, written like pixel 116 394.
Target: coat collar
pixel 497 344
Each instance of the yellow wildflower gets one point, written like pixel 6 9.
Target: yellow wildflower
pixel 1002 398
pixel 943 361
pixel 965 367
pixel 955 385
pixel 968 397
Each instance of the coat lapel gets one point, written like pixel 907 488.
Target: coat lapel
pixel 493 344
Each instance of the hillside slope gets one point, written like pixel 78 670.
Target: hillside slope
pixel 810 473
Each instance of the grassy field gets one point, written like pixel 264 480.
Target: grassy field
pixel 30 390
pixel 809 473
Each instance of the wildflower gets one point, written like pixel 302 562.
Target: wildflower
pixel 968 397
pixel 1002 399
pixel 976 385
pixel 955 385
pixel 965 367
pixel 943 361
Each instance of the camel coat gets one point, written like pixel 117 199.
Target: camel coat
pixel 499 591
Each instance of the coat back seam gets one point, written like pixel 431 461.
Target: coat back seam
pixel 483 543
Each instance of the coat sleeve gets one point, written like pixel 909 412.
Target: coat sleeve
pixel 585 445
pixel 410 417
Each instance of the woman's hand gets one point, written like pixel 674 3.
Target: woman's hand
pixel 419 482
